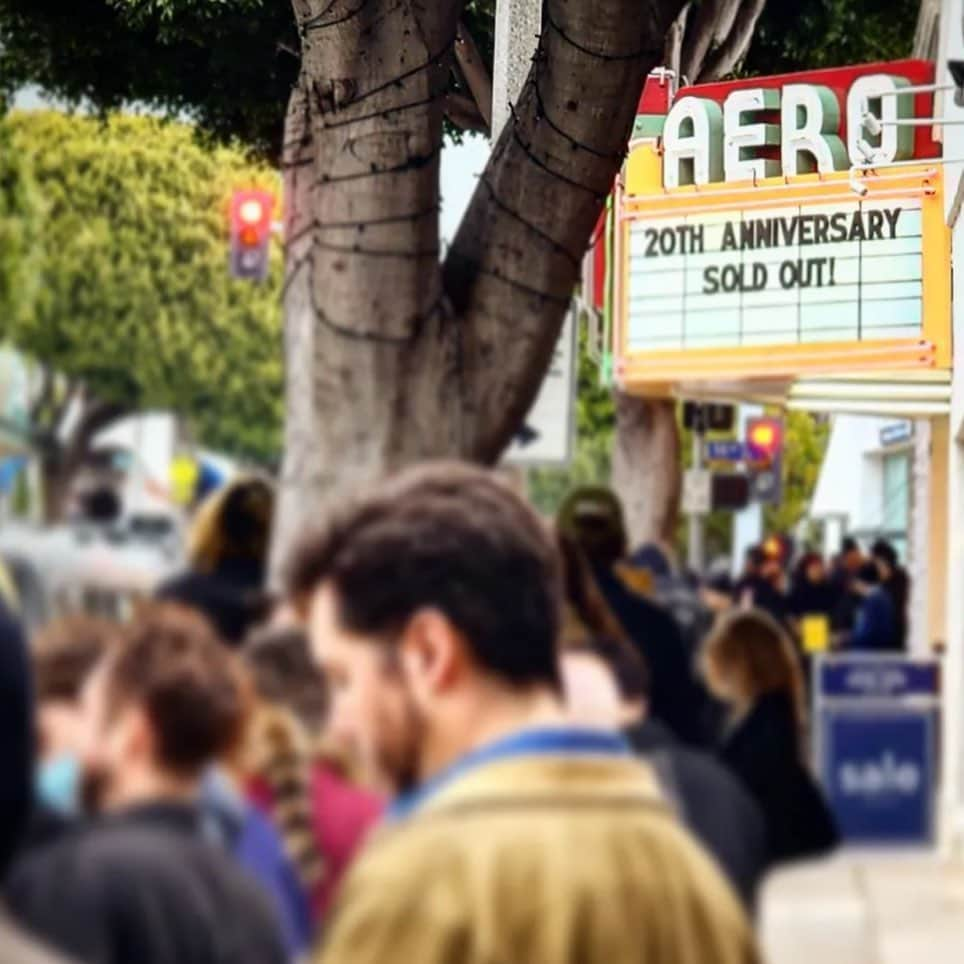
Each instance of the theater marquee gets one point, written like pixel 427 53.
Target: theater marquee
pixel 744 250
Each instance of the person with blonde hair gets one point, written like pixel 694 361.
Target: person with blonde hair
pixel 751 665
pixel 227 559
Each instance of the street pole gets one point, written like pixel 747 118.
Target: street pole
pixel 697 526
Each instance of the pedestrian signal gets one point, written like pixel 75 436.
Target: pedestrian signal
pixel 252 215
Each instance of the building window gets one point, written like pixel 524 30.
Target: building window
pixel 895 518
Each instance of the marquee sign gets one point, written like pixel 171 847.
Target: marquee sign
pixel 768 229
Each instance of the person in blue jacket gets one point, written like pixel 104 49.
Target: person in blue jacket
pixel 876 627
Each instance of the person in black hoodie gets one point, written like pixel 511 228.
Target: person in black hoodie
pixel 752 666
pixel 227 553
pixel 593 519
pixel 139 884
pixel 895 581
pixel 16 733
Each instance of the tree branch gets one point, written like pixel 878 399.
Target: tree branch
pixel 725 58
pixel 44 396
pixel 673 48
pixel 701 31
pixel 511 270
pixel 476 76
pixel 463 113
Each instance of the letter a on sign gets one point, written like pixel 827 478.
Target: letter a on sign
pixel 692 149
pixel 810 118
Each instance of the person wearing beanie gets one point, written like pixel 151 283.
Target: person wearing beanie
pixel 592 517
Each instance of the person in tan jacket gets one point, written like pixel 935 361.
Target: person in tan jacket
pixel 434 605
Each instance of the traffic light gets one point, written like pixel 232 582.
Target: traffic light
pixel 764 454
pixel 252 214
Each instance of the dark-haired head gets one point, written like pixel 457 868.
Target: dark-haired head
pixel 438 584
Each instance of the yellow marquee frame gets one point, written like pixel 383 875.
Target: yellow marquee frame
pixel 654 373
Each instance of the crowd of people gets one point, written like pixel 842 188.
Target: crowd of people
pixel 862 600
pixel 459 734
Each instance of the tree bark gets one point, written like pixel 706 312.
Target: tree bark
pixel 517 255
pixel 61 460
pixel 389 359
pixel 647 471
pixel 704 43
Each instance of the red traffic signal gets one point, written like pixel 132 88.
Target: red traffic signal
pixel 252 214
pixel 764 439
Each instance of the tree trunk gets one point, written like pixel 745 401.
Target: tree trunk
pixel 647 468
pixel 704 43
pixel 61 460
pixel 389 359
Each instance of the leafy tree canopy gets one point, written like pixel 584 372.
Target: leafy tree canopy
pixel 133 299
pixel 228 65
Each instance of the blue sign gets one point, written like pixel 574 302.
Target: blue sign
pixel 725 451
pixel 896 433
pixel 878 772
pixel 878 677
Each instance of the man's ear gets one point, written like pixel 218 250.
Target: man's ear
pixel 433 653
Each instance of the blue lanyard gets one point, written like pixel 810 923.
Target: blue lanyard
pixel 564 741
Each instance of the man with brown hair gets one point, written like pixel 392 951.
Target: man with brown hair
pixel 434 606
pixel 140 884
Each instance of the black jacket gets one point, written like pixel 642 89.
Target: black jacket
pixel 16 754
pixel 763 750
pixel 675 698
pixel 231 597
pixel 712 803
pixel 140 887
pixel 16 738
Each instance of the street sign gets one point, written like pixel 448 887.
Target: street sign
pixel 708 417
pixel 730 491
pixel 879 774
pixel 727 450
pixel 697 492
pixel 877 722
pixel 546 436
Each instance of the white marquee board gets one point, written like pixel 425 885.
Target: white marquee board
pixel 786 275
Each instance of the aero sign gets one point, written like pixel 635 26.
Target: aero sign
pixel 762 231
pixel 761 132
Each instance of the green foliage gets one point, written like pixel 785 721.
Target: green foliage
pixel 19 215
pixel 227 65
pixel 809 34
pixel 805 446
pixel 133 295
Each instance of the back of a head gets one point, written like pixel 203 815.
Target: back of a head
pixel 749 650
pixel 755 557
pixel 849 545
pixel 593 518
pixel 868 574
pixel 885 552
pixel 65 653
pixel 454 538
pixel 172 665
pixel 233 523
pixel 284 674
pixel 587 613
